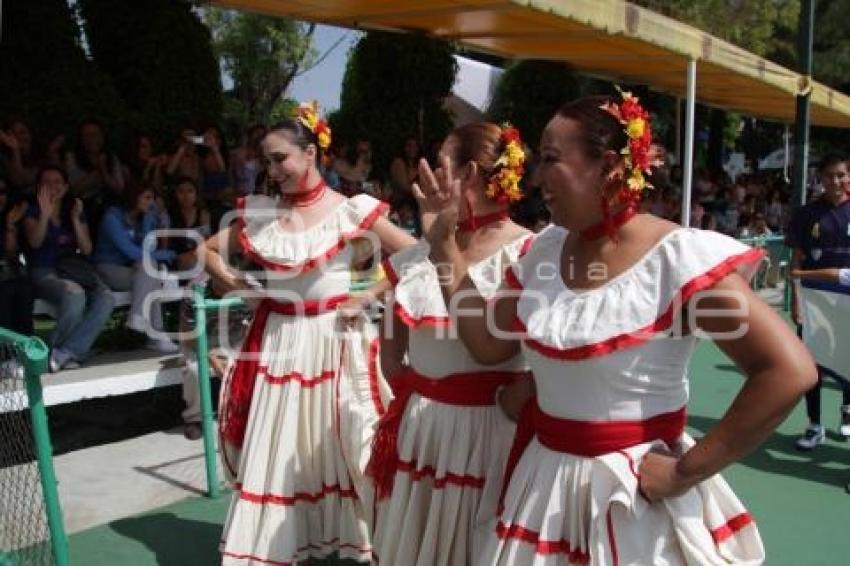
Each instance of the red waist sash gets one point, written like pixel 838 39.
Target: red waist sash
pixel 473 389
pixel 588 438
pixel 233 417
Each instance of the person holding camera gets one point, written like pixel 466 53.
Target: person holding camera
pixel 185 161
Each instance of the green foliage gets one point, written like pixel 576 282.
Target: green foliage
pixel 751 24
pixel 530 92
pixel 159 56
pixel 262 55
pixel 393 87
pixel 46 77
pixel 832 42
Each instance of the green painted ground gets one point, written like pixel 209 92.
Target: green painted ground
pixel 798 500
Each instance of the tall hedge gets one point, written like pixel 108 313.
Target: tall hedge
pixel 394 86
pixel 159 56
pixel 45 76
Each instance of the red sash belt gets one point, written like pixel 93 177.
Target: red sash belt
pixel 234 415
pixel 587 438
pixel 473 389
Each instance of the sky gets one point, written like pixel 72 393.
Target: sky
pixel 324 81
pixel 474 83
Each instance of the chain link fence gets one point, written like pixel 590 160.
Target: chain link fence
pixel 31 532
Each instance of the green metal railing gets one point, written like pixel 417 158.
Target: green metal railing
pixel 32 354
pixel 780 257
pixel 201 306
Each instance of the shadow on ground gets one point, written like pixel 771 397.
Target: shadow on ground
pixel 827 464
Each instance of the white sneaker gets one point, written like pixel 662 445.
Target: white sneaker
pixel 844 427
pixel 163 345
pixel 59 359
pixel 814 434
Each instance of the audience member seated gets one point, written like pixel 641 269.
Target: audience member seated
pixel 215 180
pixel 404 171
pixel 184 162
pixel 353 167
pixel 16 297
pixel 96 175
pixel 58 245
pixel 119 260
pixel 246 161
pixel 187 213
pixel 143 166
pixel 18 158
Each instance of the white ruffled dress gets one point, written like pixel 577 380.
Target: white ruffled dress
pixel 608 355
pixel 300 490
pixel 451 457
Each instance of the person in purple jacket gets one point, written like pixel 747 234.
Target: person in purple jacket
pixel 118 257
pixel 58 243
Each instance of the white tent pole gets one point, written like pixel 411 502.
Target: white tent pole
pixel 679 156
pixel 688 163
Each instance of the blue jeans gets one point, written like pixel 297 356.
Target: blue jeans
pixel 82 314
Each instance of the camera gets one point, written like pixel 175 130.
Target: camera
pixel 197 140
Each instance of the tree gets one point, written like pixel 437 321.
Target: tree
pixel 832 43
pixel 530 92
pixel 751 24
pixel 394 87
pixel 262 55
pixel 46 77
pixel 159 57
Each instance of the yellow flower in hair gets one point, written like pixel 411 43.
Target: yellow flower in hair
pixel 636 127
pixel 515 155
pixel 636 181
pixel 324 140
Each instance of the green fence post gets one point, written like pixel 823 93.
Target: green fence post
pixel 35 364
pixel 207 425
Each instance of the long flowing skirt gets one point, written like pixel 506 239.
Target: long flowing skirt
pixel 299 486
pixel 447 485
pixel 564 509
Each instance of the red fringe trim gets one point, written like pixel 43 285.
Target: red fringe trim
pixel 389 271
pixel 413 322
pixel 562 546
pixel 374 390
pixel 290 500
pixel 642 335
pixel 306 382
pixel 511 280
pixel 254 255
pixel 333 543
pixel 731 527
pixel 460 480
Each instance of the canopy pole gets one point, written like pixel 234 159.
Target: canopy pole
pixel 688 162
pixel 801 125
pixel 679 155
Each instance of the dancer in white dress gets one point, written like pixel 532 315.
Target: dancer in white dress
pixel 442 446
pixel 300 405
pixel 607 305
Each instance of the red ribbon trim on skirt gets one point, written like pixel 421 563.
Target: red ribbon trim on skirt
pixel 234 415
pixel 473 389
pixel 587 438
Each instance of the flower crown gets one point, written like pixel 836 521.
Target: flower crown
pixel 308 114
pixel 638 154
pixel 504 182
